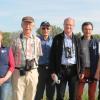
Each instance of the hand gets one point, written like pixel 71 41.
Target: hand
pixel 2 80
pixel 53 76
pixel 81 76
pixel 95 80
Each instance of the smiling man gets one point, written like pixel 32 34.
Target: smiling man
pixel 64 60
pixel 89 56
pixel 43 69
pixel 27 49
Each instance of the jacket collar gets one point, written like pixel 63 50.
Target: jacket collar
pixel 42 38
pixel 83 37
pixel 63 34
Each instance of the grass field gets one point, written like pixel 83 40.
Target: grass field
pixel 85 94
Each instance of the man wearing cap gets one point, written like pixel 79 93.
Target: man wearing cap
pixel 43 69
pixel 27 49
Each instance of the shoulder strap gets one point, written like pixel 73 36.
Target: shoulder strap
pixel 21 37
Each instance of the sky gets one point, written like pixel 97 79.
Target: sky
pixel 54 11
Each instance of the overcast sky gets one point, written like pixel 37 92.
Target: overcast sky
pixel 54 11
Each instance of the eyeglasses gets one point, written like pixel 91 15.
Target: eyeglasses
pixel 45 28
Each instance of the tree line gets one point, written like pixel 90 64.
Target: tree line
pixel 9 36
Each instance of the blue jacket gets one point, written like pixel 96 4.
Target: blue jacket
pixel 46 47
pixel 4 61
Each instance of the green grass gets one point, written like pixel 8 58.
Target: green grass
pixel 85 94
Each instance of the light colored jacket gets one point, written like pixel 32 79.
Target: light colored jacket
pixel 17 50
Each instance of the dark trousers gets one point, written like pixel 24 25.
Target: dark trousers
pixel 44 83
pixel 68 75
pixel 99 91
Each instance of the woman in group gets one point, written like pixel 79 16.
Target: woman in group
pixel 6 70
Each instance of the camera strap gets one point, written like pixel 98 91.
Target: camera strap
pixel 21 37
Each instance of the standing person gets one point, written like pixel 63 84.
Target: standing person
pixel 89 55
pixel 6 69
pixel 64 60
pixel 27 49
pixel 99 91
pixel 43 69
pixel 97 76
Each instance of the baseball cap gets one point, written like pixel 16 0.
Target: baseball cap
pixel 45 23
pixel 28 19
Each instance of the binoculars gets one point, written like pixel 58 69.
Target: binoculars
pixel 68 52
pixel 28 66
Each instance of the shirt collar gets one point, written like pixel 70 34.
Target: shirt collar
pixel 42 38
pixel 28 37
pixel 65 36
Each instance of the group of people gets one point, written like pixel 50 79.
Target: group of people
pixel 36 63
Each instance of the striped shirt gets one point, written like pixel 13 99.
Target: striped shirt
pixel 26 49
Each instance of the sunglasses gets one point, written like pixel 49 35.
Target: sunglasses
pixel 45 28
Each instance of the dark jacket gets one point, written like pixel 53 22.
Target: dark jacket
pixel 97 74
pixel 94 55
pixel 56 53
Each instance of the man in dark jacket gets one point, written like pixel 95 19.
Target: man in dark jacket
pixel 64 60
pixel 99 91
pixel 89 55
pixel 97 75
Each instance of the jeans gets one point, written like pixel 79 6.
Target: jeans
pixel 6 91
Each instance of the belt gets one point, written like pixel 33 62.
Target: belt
pixel 20 68
pixel 43 66
pixel 68 66
pixel 87 67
